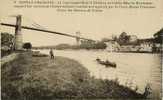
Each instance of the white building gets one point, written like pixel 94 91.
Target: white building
pixel 112 46
pixel 146 47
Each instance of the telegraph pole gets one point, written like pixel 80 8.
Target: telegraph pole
pixel 18 43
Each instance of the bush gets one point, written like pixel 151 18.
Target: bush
pixel 27 46
pixel 90 45
pixel 6 44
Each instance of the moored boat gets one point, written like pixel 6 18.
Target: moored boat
pixel 106 63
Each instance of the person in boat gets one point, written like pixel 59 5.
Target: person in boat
pixel 51 54
pixel 107 61
pixel 98 59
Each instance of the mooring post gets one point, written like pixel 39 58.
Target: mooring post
pixel 18 35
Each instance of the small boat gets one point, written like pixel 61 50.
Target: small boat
pixel 106 63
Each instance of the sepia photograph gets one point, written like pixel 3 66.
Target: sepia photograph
pixel 81 49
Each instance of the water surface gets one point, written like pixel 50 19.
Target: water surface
pixel 133 69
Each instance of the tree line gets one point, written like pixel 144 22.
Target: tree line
pixel 7 44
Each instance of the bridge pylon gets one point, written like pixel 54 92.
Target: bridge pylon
pixel 18 43
pixel 78 34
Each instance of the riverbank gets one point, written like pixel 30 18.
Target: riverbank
pixel 40 78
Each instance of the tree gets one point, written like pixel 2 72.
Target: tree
pixel 100 45
pixel 7 39
pixel 158 37
pixel 7 43
pixel 123 38
pixel 62 46
pixel 27 45
pixel 85 44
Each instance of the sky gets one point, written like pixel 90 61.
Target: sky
pixel 141 22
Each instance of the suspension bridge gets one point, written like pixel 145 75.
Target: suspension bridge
pixel 18 42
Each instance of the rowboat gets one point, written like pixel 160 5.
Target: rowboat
pixel 106 63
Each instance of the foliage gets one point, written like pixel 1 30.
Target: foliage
pixel 62 46
pixel 27 45
pixel 6 39
pixel 6 43
pixel 100 45
pixel 83 45
pixel 158 37
pixel 92 45
pixel 125 39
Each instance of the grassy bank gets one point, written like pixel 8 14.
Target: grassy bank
pixel 40 78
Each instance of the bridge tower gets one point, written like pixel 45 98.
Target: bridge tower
pixel 78 34
pixel 18 43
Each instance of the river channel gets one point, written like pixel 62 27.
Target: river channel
pixel 133 69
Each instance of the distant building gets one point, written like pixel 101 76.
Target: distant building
pixel 129 48
pixel 146 47
pixel 133 39
pixel 112 46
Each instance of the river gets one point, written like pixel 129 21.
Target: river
pixel 133 69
